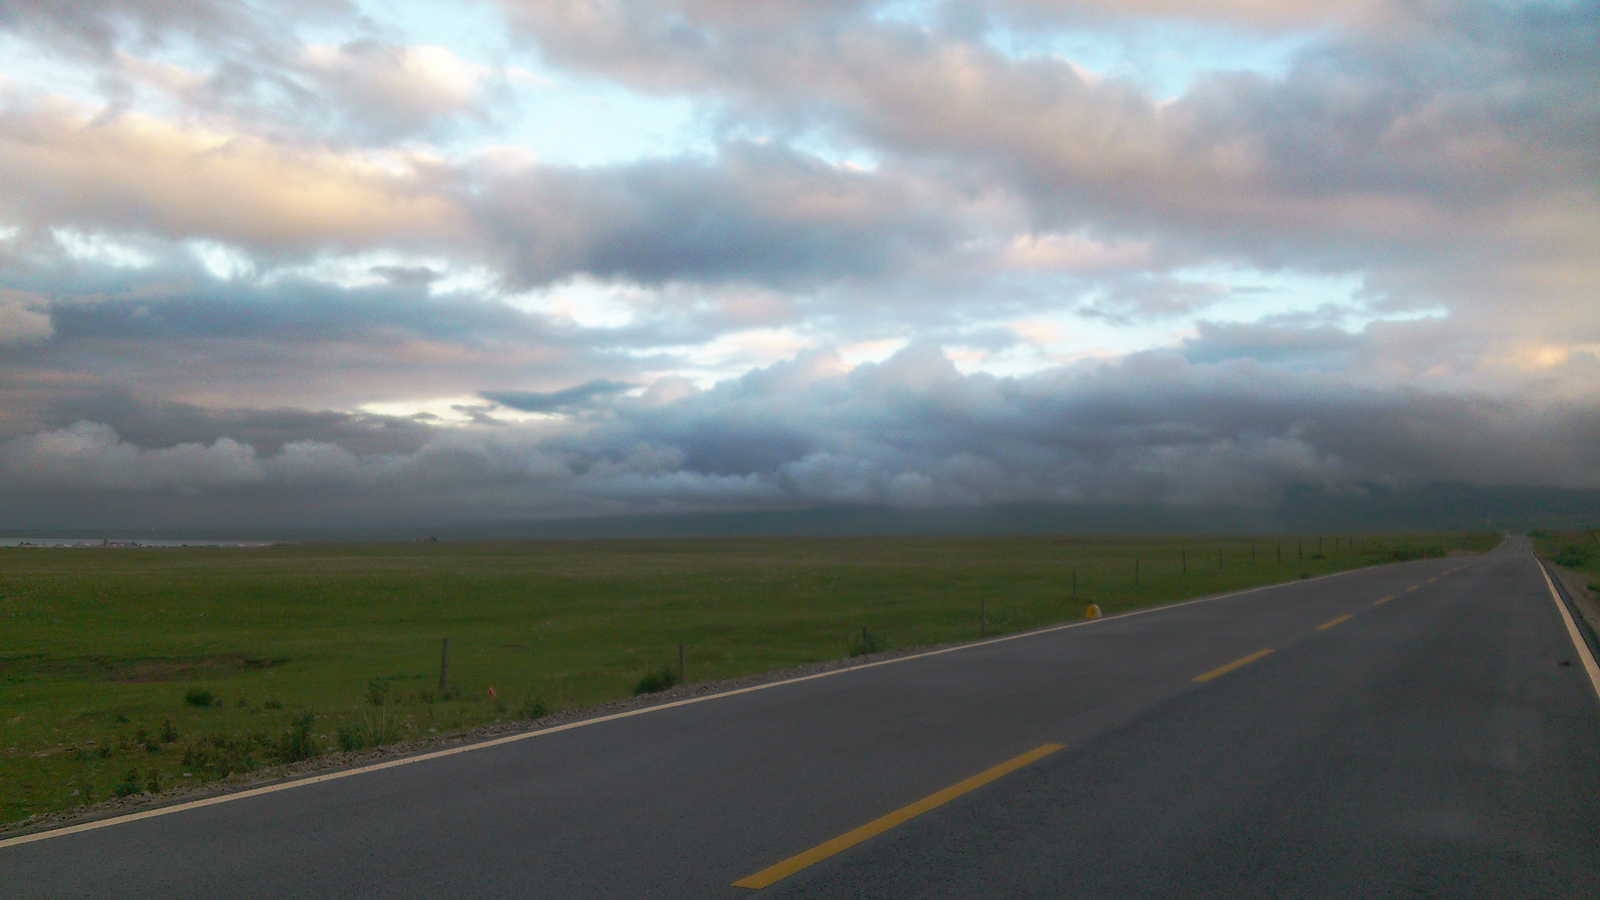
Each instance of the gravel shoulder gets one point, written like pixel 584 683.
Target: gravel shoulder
pixel 1577 587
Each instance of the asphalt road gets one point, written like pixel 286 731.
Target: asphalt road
pixel 1430 745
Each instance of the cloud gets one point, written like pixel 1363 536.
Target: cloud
pixel 911 432
pixel 91 456
pixel 59 166
pixel 1269 14
pixel 392 91
pixel 556 401
pixel 174 331
pixel 102 26
pixel 244 62
pixel 1077 252
pixel 24 318
pixel 1453 165
pixel 240 274
pixel 755 214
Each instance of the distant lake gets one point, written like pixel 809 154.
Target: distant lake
pixel 124 542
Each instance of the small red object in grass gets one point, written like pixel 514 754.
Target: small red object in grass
pixel 492 694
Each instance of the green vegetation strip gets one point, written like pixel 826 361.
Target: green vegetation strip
pixel 131 670
pixel 1578 550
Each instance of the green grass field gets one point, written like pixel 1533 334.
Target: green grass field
pixel 126 670
pixel 1577 549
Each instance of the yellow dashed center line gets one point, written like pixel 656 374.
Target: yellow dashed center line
pixel 775 873
pixel 878 826
pixel 1223 670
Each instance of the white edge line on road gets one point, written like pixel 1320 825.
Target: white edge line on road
pixel 1578 642
pixel 525 735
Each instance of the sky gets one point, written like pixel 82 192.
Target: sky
pixel 383 261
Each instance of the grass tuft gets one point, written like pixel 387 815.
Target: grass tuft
pixel 375 730
pixel 199 697
pixel 297 743
pixel 656 680
pixel 865 644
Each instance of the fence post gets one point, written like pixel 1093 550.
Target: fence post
pixel 983 617
pixel 444 663
pixel 1185 562
pixel 682 674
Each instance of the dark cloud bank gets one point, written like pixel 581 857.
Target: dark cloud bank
pixel 1152 442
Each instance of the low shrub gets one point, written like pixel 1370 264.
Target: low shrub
pixel 221 756
pixel 129 786
pixel 866 643
pixel 374 731
pixel 533 708
pixel 1572 556
pixel 199 697
pixel 657 680
pixel 350 738
pixel 297 744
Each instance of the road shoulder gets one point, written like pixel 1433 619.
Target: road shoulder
pixel 1576 585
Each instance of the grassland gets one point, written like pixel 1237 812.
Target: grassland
pixel 1578 550
pixel 127 670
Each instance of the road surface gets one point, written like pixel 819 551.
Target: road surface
pixel 1424 729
